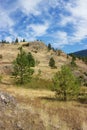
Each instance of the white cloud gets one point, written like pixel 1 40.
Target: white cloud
pixel 30 6
pixel 5 20
pixel 78 19
pixel 60 39
pixel 38 29
pixel 8 39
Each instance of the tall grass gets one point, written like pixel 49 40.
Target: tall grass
pixel 38 84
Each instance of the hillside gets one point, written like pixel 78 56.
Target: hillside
pixel 29 108
pixel 82 53
pixel 42 56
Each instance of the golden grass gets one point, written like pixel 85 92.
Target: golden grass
pixel 54 114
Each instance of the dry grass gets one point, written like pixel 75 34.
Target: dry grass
pixel 9 53
pixel 54 114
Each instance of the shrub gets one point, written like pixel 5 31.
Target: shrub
pixel 1 56
pixel 49 47
pixel 66 85
pixel 52 62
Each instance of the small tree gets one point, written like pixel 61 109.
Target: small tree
pixel 23 40
pixel 73 63
pixel 22 70
pixel 31 61
pixel 16 40
pixel 66 85
pixel 49 47
pixel 52 62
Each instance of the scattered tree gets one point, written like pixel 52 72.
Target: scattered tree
pixel 16 40
pixel 73 63
pixel 49 47
pixel 24 40
pixel 52 62
pixel 66 85
pixel 22 67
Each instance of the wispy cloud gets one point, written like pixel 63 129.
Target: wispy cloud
pixel 78 18
pixel 5 21
pixel 62 22
pixel 29 6
pixel 39 29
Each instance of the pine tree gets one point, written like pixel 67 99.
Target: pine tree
pixel 49 47
pixel 23 40
pixel 52 62
pixel 16 40
pixel 66 85
pixel 31 60
pixel 22 70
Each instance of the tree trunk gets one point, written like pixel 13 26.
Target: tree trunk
pixel 65 96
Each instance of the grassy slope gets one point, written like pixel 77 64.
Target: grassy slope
pixel 9 53
pixel 54 114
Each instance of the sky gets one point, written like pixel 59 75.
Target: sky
pixel 63 23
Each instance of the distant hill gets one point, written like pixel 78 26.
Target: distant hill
pixel 82 53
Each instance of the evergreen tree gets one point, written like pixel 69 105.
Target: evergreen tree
pixel 23 40
pixel 16 40
pixel 49 47
pixel 73 63
pixel 31 60
pixel 52 62
pixel 22 70
pixel 66 85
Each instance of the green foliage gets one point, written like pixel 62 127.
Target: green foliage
pixel 73 63
pixel 49 47
pixel 22 67
pixel 52 62
pixel 16 40
pixel 31 61
pixel 84 59
pixel 38 83
pixel 66 84
pixel 23 40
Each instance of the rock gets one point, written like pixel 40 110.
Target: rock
pixel 6 99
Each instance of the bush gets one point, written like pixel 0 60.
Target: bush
pixel 52 62
pixel 1 56
pixel 66 85
pixel 49 47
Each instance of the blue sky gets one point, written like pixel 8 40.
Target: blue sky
pixel 63 23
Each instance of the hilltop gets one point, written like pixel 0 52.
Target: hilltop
pixel 42 56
